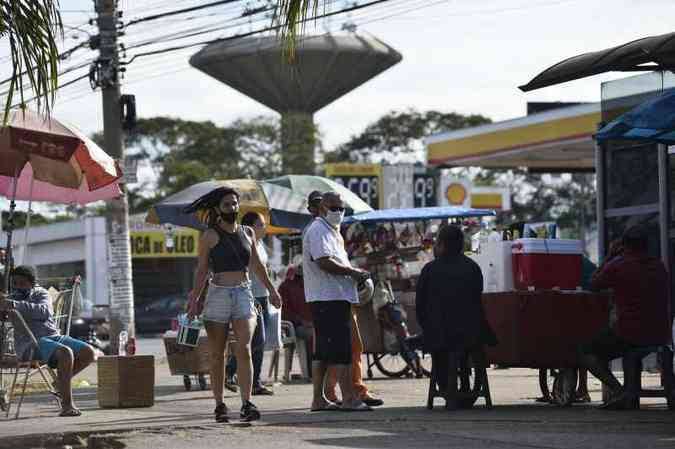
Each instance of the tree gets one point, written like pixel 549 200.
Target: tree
pixel 398 135
pixel 183 153
pixel 31 27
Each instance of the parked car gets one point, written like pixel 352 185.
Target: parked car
pixel 154 316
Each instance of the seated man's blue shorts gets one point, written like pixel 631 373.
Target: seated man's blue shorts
pixel 47 347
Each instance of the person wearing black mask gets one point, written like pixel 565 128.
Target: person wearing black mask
pixel 226 254
pixel 68 355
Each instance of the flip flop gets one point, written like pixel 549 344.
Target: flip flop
pixel 71 412
pixel 359 408
pixel 327 408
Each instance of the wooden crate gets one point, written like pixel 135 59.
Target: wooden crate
pixel 126 381
pixel 185 360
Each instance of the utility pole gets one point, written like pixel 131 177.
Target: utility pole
pixel 106 75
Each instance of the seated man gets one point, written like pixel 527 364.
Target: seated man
pixel 68 355
pixel 640 286
pixel 449 306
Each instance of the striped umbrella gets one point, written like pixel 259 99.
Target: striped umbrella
pixel 283 209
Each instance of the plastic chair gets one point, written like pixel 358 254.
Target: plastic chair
pixel 30 367
pixel 290 344
pixel 632 368
pixel 460 392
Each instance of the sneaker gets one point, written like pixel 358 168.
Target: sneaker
pixel 262 391
pixel 221 413
pixel 249 412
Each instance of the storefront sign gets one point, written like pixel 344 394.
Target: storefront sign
pixel 362 179
pixel 152 244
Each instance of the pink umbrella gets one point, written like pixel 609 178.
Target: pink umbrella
pixel 43 159
pixel 50 158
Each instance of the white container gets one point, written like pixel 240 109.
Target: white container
pixel 496 265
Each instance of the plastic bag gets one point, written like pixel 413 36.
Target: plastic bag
pixel 273 328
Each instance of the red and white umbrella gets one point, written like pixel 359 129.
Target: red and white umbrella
pixel 42 159
pixel 46 160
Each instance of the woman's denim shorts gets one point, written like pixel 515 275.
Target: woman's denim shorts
pixel 225 304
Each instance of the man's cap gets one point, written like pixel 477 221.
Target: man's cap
pixel 25 271
pixel 314 196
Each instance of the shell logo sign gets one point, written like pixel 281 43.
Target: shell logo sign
pixel 456 194
pixel 461 192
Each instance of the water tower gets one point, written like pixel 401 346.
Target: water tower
pixel 327 67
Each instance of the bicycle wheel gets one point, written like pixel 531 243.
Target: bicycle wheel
pixel 391 365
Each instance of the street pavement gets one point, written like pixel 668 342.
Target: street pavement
pixel 183 419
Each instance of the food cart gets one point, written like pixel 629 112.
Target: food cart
pixel 394 245
pixel 539 325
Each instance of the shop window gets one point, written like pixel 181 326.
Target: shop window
pixel 632 175
pixel 616 225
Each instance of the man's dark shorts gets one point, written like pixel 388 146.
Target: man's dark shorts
pixel 333 329
pixel 606 345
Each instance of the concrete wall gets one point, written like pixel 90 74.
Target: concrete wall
pixel 72 241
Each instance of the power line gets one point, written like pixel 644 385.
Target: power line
pixel 179 11
pixel 254 32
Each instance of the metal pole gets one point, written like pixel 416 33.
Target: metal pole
pixel 600 195
pixel 26 247
pixel 119 269
pixel 664 203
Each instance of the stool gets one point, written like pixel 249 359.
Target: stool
pixel 632 371
pixel 460 364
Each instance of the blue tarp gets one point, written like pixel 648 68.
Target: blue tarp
pixel 651 121
pixel 416 214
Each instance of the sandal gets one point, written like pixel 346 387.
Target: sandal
pixel 330 407
pixel 70 412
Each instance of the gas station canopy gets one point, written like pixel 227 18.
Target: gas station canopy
pixel 555 140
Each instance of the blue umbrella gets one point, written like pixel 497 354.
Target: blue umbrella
pixel 417 214
pixel 653 121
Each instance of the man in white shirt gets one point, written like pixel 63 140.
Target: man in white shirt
pixel 330 290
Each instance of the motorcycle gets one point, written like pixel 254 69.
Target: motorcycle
pixel 85 330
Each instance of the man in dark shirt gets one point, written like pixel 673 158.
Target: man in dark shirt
pixel 640 294
pixel 448 303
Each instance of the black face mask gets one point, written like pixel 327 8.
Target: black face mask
pixel 229 217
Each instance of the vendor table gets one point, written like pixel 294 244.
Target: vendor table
pixel 543 330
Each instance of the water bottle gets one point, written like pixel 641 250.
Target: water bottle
pixel 122 347
pixel 492 278
pixel 483 238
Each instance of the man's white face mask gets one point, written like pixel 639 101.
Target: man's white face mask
pixel 335 217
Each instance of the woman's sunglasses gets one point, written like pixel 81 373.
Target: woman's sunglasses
pixel 336 209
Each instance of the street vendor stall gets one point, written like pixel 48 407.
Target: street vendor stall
pixel 394 245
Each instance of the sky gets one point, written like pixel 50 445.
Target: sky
pixel 466 56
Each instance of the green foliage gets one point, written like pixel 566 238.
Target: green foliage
pixel 31 28
pixel 184 152
pixel 399 133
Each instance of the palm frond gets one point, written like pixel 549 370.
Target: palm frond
pixel 291 16
pixel 32 27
